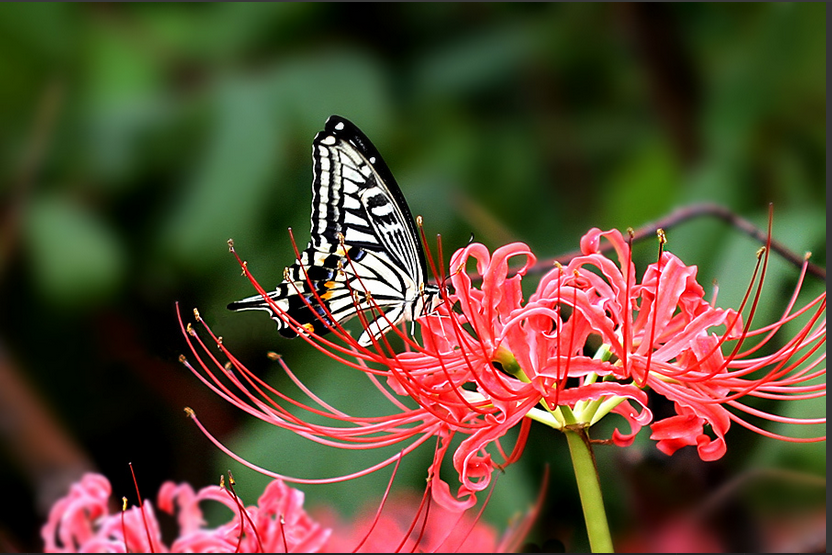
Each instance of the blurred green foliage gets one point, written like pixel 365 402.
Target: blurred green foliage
pixel 138 138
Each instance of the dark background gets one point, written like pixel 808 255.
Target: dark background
pixel 137 138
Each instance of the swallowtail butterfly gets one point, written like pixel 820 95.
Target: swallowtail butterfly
pixel 363 244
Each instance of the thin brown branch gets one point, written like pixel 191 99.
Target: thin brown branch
pixel 687 213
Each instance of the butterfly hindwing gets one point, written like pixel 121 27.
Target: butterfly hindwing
pixel 364 252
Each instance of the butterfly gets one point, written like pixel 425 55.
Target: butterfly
pixel 364 251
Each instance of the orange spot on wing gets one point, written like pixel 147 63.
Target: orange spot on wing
pixel 326 295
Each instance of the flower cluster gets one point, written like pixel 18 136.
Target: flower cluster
pixel 592 340
pixel 81 522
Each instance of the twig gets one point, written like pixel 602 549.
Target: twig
pixel 689 212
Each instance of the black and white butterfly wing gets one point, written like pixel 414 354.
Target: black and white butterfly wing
pixel 364 251
pixel 355 195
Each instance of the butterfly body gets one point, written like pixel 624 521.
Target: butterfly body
pixel 364 252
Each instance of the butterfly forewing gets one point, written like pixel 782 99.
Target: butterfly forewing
pixel 363 253
pixel 356 195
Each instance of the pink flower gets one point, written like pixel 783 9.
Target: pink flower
pixel 396 530
pixel 82 522
pixel 662 333
pixel 488 361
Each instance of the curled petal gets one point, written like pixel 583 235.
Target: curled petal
pixel 636 420
pixel 70 522
pixel 687 428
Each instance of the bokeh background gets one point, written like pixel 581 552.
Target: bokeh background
pixel 137 138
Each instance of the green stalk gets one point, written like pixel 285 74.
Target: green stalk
pixel 589 488
pixel 583 461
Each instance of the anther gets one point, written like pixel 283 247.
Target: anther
pixel 189 412
pixel 196 315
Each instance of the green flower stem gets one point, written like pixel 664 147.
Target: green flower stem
pixel 583 461
pixel 589 488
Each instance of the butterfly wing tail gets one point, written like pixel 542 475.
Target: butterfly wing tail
pixel 281 316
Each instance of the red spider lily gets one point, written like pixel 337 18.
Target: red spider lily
pixel 661 332
pixel 82 522
pixel 488 361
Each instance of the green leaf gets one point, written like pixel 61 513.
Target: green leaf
pixel 643 186
pixel 76 258
pixel 233 177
